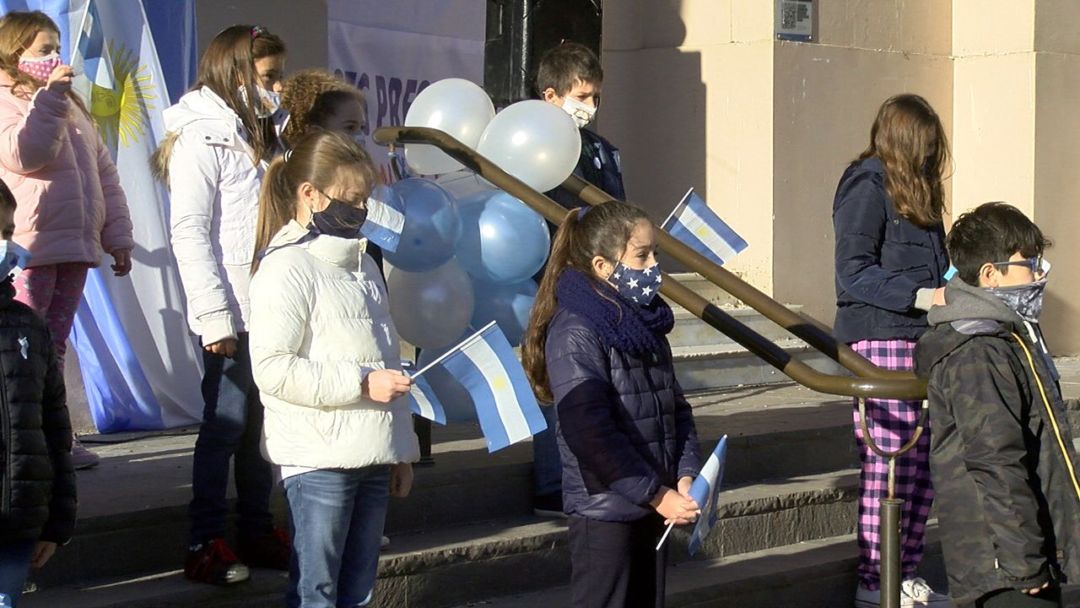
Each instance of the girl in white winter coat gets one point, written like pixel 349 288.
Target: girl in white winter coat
pixel 221 135
pixel 327 363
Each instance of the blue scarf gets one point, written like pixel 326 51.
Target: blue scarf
pixel 624 326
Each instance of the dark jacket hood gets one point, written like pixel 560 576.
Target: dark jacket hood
pixel 969 311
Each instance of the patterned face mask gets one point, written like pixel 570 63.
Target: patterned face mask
pixel 637 286
pixel 1025 300
pixel 40 67
pixel 582 113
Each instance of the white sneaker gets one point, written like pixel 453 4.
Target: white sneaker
pixel 914 593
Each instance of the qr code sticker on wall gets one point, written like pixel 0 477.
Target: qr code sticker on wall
pixel 794 19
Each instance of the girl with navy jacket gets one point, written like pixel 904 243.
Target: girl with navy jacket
pixel 596 347
pixel 890 264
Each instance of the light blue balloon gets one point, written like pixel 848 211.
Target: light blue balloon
pixel 453 396
pixel 508 305
pixel 432 226
pixel 502 240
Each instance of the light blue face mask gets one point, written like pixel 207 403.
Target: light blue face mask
pixel 12 256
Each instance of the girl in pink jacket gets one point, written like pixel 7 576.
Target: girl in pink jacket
pixel 70 204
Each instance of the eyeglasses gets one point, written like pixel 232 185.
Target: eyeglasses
pixel 1035 264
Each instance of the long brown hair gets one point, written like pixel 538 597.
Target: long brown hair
pixel 603 230
pixel 908 138
pixel 227 65
pixel 311 97
pixel 315 159
pixel 17 32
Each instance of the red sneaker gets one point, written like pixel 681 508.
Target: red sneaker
pixel 269 550
pixel 214 562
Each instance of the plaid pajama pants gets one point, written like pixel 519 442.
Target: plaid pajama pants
pixel 891 423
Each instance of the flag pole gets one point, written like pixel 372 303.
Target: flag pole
pixel 464 343
pixel 682 202
pixel 664 537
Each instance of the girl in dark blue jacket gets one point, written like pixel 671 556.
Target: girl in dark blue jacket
pixel 890 264
pixel 596 347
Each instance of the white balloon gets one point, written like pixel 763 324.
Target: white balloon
pixel 456 106
pixel 431 309
pixel 534 141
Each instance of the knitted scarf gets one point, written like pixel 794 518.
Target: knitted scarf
pixel 625 326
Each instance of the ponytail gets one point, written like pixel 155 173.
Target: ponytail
pixel 535 341
pixel 277 207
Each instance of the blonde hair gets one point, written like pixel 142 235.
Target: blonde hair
pixel 311 97
pixel 315 159
pixel 909 140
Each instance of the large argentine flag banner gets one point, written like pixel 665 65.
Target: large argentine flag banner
pixel 140 368
pixel 486 366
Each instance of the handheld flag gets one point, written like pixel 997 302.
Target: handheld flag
pixel 424 403
pixel 485 365
pixel 704 491
pixel 383 225
pixel 698 227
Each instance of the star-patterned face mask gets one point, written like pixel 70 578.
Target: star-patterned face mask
pixel 637 286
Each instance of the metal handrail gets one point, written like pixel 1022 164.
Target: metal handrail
pixel 870 381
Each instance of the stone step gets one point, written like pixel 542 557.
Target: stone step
pixel 727 365
pixel 814 574
pixel 141 489
pixel 475 562
pixel 692 331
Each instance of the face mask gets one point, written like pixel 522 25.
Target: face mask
pixel 12 256
pixel 339 219
pixel 269 101
pixel 1025 300
pixel 637 286
pixel 40 67
pixel 582 113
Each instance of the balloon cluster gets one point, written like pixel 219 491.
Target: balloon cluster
pixel 469 251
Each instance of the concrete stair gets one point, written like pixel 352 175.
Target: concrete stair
pixel 467 533
pixel 706 359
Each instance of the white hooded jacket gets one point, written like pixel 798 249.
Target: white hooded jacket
pixel 320 323
pixel 214 191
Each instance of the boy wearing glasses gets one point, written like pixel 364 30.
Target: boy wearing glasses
pixel 1001 457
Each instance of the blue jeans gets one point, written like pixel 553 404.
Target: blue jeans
pixel 14 568
pixel 336 518
pixel 231 431
pixel 547 465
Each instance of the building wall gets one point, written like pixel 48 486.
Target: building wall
pixel 300 23
pixel 699 93
pixel 826 96
pixel 687 97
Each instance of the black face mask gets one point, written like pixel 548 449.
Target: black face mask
pixel 339 219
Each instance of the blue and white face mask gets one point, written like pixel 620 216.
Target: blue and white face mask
pixel 12 256
pixel 1025 300
pixel 637 286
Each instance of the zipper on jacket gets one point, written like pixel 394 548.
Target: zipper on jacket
pixel 660 413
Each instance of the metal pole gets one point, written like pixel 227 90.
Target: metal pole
pixel 890 550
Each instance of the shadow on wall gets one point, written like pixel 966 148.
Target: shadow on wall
pixel 654 105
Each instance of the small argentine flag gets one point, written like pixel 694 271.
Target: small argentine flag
pixel 698 227
pixel 383 225
pixel 424 403
pixel 485 365
pixel 704 491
